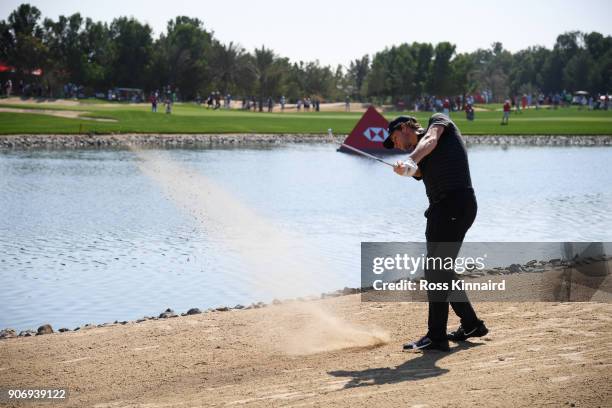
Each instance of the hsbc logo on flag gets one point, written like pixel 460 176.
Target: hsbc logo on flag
pixel 369 133
pixel 376 134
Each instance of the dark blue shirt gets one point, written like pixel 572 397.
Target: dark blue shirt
pixel 446 168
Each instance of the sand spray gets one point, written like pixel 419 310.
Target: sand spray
pixel 278 261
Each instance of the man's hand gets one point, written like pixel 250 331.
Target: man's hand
pixel 399 168
pixel 406 168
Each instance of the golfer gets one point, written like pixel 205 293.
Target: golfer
pixel 438 157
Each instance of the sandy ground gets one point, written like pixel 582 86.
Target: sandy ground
pixel 235 104
pixel 15 100
pixel 536 354
pixel 59 102
pixel 59 113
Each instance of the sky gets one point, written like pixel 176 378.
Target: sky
pixel 337 32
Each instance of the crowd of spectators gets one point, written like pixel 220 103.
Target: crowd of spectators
pixel 215 100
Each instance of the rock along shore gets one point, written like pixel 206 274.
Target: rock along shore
pixel 532 267
pixel 141 139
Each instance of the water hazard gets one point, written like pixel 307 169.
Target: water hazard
pixel 86 236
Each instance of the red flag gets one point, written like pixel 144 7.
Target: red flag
pixel 369 133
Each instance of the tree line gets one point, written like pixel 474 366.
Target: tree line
pixel 99 56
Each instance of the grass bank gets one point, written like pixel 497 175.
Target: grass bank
pixel 190 118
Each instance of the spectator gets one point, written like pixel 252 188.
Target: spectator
pixel 556 100
pixel 506 112
pixel 153 103
pixel 469 112
pixel 282 103
pixel 347 104
pixel 8 87
pixel 439 105
pixel 585 102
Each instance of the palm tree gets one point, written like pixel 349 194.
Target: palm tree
pixel 228 60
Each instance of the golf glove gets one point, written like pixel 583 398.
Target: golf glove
pixel 410 167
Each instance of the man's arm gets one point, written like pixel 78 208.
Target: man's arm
pixel 424 147
pixel 427 143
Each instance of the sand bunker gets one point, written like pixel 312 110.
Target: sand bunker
pixel 531 357
pixel 58 113
pixel 29 101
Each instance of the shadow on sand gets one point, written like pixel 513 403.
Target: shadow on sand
pixel 424 366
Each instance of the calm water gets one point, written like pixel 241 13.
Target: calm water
pixel 86 237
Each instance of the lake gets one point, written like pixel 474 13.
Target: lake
pixel 86 237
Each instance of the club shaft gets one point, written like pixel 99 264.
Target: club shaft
pixel 371 156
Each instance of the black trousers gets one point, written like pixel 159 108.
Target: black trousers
pixel 447 222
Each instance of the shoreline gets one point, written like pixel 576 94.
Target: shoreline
pixel 26 141
pixel 555 270
pixel 336 350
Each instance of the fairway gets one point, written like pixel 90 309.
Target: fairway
pixel 191 118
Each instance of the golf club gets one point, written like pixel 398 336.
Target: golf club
pixel 371 156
